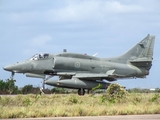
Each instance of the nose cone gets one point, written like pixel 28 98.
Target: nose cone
pixel 18 67
pixel 8 68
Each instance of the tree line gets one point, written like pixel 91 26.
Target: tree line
pixel 8 87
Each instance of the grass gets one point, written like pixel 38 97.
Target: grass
pixel 26 106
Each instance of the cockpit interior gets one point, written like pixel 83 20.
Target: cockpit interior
pixel 40 56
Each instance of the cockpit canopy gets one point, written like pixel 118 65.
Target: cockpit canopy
pixel 39 56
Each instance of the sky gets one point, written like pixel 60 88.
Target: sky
pixel 106 27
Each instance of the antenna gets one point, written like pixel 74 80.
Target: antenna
pixel 64 50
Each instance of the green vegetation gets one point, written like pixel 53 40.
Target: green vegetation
pixel 115 101
pixel 114 93
pixel 8 87
pixel 21 106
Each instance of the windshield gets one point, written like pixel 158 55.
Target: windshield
pixel 39 56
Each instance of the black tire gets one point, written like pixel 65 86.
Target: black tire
pixel 81 91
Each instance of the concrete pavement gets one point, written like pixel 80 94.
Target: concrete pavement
pixel 119 117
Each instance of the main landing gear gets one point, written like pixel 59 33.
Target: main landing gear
pixel 81 91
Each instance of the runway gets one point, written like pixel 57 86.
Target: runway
pixel 119 117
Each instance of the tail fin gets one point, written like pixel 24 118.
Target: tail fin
pixel 142 51
pixel 141 55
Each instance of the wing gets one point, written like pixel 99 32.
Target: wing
pixel 91 76
pixel 94 75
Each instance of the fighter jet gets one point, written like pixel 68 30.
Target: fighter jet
pixel 84 72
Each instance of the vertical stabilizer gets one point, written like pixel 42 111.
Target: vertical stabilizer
pixel 141 55
pixel 142 50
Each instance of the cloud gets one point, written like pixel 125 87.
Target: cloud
pixel 117 7
pixel 87 10
pixel 40 42
pixel 76 11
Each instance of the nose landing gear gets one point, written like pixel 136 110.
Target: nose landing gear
pixel 43 84
pixel 12 75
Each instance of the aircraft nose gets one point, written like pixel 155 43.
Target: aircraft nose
pixel 8 68
pixel 19 67
pixel 14 67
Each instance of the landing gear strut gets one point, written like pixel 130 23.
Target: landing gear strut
pixel 81 91
pixel 12 75
pixel 89 91
pixel 43 87
pixel 43 83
